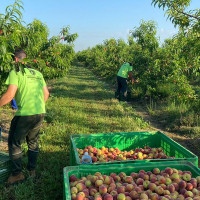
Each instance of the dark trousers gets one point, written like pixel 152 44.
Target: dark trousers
pixel 24 127
pixel 122 86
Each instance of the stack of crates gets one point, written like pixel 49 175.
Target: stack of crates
pixel 184 159
pixel 4 167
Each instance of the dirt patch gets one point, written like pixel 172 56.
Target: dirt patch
pixel 5 119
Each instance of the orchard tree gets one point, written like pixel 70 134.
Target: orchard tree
pixel 145 35
pixel 176 11
pixel 70 38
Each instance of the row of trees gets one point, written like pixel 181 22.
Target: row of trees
pixel 166 73
pixel 162 71
pixel 51 56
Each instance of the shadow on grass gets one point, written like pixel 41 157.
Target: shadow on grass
pixel 80 94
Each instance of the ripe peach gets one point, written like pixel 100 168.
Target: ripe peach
pixel 171 188
pixel 186 177
pixel 198 179
pixel 118 184
pixel 80 196
pixel 180 197
pixel 72 184
pixel 98 183
pixel 144 196
pixel 112 175
pixel 163 186
pixel 113 192
pixel 146 184
pixel 156 171
pixel 164 198
pixel 86 192
pixel 117 178
pixel 103 189
pixel 188 194
pixel 166 192
pixel 159 190
pixel 121 196
pixel 129 188
pixel 121 189
pixel 92 191
pixel 133 194
pixel 189 186
pixel 94 159
pixel 139 181
pixel 193 181
pixel 72 178
pixel 108 180
pixel 195 191
pixel 182 184
pixel 128 179
pixel 122 175
pixel 138 190
pixel 173 196
pixel 152 186
pixel 74 190
pixel 107 197
pixel 73 196
pixel 98 197
pixel 94 179
pixel 146 177
pixel 176 186
pixel 134 175
pixel 154 196
pixel 81 151
pixel 162 179
pixel 142 171
pixel 83 179
pixel 174 176
pixel 141 175
pixel 80 187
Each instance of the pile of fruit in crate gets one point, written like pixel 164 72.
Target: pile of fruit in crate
pixel 157 184
pixel 114 154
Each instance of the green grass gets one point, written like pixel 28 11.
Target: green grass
pixel 182 118
pixel 79 104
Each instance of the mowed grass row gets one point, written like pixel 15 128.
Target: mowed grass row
pixel 79 104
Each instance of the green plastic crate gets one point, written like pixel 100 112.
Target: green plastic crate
pixel 4 167
pixel 80 171
pixel 128 141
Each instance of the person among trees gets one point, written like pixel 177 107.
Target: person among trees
pixel 125 72
pixel 31 93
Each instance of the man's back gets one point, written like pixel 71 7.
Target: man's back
pixel 29 96
pixel 123 71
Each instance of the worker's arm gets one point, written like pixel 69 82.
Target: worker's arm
pixel 130 76
pixel 46 93
pixel 8 95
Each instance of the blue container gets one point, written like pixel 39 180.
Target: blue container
pixel 86 158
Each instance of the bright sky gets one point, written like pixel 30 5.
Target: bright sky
pixel 96 21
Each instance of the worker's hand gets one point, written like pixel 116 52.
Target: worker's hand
pixel 136 81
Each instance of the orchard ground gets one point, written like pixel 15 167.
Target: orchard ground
pixel 80 103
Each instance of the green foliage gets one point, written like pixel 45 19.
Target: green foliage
pixel 164 73
pixel 176 11
pixel 145 35
pixel 51 56
pixel 105 59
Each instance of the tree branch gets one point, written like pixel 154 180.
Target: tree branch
pixel 184 13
